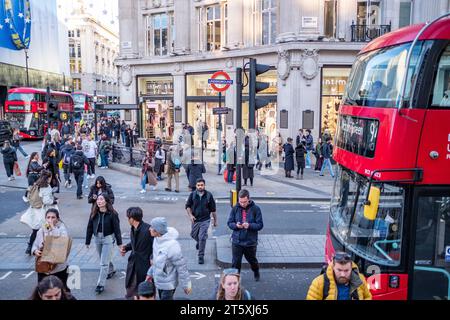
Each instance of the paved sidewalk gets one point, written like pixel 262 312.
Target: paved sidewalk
pixel 266 186
pixel 276 250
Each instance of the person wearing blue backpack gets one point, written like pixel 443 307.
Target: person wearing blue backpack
pixel 173 169
pixel 67 151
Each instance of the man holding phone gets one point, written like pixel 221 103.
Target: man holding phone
pixel 245 220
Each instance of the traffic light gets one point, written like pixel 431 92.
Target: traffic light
pixel 52 111
pixel 255 87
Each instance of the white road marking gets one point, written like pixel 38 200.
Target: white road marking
pixel 26 275
pixel 6 275
pixel 198 276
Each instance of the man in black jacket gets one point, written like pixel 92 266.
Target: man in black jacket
pixel 141 247
pixel 77 162
pixel 200 206
pixel 245 220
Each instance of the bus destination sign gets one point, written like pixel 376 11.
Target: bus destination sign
pixel 358 135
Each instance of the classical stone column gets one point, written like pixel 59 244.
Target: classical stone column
pixel 179 92
pixel 182 27
pixel 128 13
pixel 288 11
pixel 235 24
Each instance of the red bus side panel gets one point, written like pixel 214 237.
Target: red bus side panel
pixel 435 138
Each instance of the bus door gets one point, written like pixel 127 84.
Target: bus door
pixel 431 250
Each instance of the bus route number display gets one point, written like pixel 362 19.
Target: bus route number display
pixel 358 135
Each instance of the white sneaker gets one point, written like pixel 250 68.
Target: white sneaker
pixel 25 199
pixel 66 184
pixel 92 176
pixel 86 186
pixel 69 186
pixel 13 178
pixel 10 179
pixel 143 191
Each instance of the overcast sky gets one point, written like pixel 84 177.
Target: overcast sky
pixel 104 10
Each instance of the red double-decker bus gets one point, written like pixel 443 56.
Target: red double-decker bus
pixel 26 109
pixel 391 201
pixel 84 105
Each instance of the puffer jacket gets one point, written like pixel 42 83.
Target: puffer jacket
pixel 357 282
pixel 169 266
pixel 245 237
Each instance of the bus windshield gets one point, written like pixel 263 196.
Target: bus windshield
pixel 22 121
pixel 79 99
pixel 376 77
pixel 25 97
pixel 378 240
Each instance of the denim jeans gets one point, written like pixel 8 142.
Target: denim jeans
pixel 327 163
pixel 85 180
pixel 144 181
pixel 308 159
pixel 22 151
pixel 104 159
pixel 105 247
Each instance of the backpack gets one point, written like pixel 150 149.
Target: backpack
pixel 77 162
pixel 177 163
pixel 33 197
pixel 67 157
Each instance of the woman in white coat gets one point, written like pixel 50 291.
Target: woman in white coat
pixel 40 198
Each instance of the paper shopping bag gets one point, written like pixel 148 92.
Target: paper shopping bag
pixel 56 249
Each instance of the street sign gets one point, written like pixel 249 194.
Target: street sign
pixel 214 81
pixel 220 110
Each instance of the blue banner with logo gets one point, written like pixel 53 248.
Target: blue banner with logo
pixel 15 24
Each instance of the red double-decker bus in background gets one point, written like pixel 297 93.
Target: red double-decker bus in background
pixel 84 105
pixel 391 201
pixel 26 109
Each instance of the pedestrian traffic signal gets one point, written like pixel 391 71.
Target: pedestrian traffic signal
pixel 52 111
pixel 255 87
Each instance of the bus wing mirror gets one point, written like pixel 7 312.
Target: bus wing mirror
pixel 371 205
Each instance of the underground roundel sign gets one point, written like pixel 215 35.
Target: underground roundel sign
pixel 220 81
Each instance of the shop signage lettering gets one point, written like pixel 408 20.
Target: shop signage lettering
pixel 358 135
pixel 159 87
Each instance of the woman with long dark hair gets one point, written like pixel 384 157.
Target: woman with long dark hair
pixel 32 172
pixel 104 224
pixel 100 187
pixel 51 161
pixel 51 288
pixel 40 199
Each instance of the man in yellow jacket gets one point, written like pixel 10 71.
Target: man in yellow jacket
pixel 341 281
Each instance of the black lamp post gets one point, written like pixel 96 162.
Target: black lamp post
pixel 95 114
pixel 26 66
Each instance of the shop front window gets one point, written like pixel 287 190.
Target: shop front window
pixel 159 119
pixel 200 113
pixel 334 81
pixel 197 85
pixel 157 107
